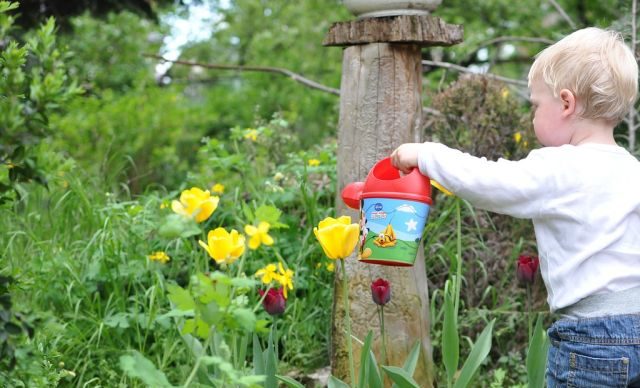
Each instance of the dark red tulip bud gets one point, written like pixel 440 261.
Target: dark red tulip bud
pixel 274 303
pixel 381 291
pixel 527 268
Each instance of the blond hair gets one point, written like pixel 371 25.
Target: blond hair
pixel 597 67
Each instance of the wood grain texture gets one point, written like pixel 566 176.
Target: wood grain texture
pixel 423 30
pixel 380 108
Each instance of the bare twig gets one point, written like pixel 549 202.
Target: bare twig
pixel 266 69
pixel 502 39
pixel 463 69
pixel 563 13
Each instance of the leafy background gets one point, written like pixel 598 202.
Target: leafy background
pixel 94 145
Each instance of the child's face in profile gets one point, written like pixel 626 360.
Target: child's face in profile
pixel 547 116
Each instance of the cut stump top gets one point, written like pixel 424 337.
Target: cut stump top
pixel 423 30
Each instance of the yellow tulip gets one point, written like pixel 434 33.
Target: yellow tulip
pixel 337 237
pixel 259 235
pixel 196 203
pixel 222 246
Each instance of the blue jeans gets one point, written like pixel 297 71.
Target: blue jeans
pixel 594 352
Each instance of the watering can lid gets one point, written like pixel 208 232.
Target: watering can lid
pixel 385 181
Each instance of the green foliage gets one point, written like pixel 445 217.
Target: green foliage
pixel 537 355
pixel 34 85
pixel 137 365
pixel 109 54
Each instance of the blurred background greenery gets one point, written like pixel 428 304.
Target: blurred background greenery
pixel 96 136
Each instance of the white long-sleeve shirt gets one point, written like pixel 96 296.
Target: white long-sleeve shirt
pixel 584 202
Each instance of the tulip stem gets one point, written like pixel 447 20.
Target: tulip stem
pixel 347 320
pixel 529 315
pixel 458 283
pixel 384 337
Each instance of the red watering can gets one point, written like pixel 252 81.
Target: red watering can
pixel 393 213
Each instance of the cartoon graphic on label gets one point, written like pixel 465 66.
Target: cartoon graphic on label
pixel 391 229
pixel 386 238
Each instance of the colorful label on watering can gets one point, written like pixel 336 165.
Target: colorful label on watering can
pixel 390 230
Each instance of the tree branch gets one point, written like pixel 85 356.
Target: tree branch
pixel 563 13
pixel 265 69
pixel 452 66
pixel 529 39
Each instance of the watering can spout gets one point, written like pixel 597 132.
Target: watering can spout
pixel 352 193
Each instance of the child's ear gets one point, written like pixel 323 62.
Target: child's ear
pixel 568 100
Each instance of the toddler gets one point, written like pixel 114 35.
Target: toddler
pixel 582 192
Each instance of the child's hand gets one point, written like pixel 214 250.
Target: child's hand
pixel 405 157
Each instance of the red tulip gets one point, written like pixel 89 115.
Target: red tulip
pixel 381 291
pixel 274 302
pixel 527 268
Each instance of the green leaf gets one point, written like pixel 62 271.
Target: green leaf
pixel 411 362
pixel 138 366
pixel 335 382
pixel 258 359
pixel 119 319
pixel 7 6
pixel 245 318
pixel 400 377
pixel 181 298
pixel 537 355
pixel 478 353
pixel 450 339
pixel 375 379
pixel 271 364
pixel 252 380
pixel 271 215
pixel 289 381
pixel 364 365
pixel 176 225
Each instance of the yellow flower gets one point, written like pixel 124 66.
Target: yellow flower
pixel 196 203
pixel 159 256
pixel 517 137
pixel 285 279
pixel 331 267
pixel 314 162
pixel 268 273
pixel 222 246
pixel 505 93
pixel 217 188
pixel 251 134
pixel 278 176
pixel 337 237
pixel 258 235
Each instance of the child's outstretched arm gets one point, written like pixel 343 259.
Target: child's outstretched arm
pixel 515 188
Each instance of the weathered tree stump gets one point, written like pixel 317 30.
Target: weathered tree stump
pixel 381 108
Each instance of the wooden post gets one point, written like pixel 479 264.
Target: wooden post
pixel 381 108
